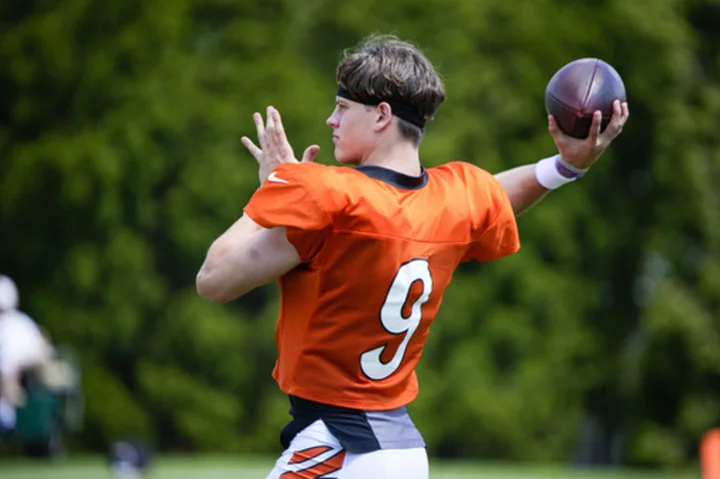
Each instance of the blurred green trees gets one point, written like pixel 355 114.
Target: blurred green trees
pixel 120 161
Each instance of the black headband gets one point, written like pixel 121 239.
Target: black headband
pixel 399 109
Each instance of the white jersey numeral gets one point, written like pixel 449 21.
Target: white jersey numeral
pixel 392 319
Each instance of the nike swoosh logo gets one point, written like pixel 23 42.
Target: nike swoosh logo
pixel 273 177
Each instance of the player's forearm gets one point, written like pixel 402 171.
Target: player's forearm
pixel 522 187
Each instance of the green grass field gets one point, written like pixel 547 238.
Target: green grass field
pixel 223 468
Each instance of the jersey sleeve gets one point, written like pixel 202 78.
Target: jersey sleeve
pixel 494 230
pixel 292 197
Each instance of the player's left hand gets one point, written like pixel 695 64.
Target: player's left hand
pixel 274 147
pixel 583 153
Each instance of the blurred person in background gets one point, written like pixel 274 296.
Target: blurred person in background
pixel 23 347
pixel 39 384
pixel 364 254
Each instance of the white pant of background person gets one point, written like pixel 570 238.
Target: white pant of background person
pixel 317 453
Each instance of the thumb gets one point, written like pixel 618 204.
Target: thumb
pixel 310 154
pixel 558 136
pixel 553 126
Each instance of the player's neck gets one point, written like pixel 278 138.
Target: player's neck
pixel 402 157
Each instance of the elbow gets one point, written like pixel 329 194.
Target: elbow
pixel 219 290
pixel 208 289
pixel 225 275
pixel 204 288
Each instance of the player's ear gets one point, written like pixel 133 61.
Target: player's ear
pixel 383 114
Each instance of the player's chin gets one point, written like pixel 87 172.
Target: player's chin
pixel 344 158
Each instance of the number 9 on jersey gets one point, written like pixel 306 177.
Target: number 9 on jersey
pixel 392 319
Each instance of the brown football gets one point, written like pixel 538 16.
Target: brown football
pixel 580 88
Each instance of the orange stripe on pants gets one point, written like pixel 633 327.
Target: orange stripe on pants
pixel 318 470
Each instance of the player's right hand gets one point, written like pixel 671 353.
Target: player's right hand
pixel 274 147
pixel 583 153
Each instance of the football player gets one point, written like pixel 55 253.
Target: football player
pixel 363 256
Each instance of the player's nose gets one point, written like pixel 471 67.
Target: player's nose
pixel 332 121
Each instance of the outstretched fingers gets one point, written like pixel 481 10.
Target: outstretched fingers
pixel 274 146
pixel 252 148
pixel 260 127
pixel 277 141
pixel 279 130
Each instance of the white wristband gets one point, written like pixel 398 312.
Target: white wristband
pixel 548 176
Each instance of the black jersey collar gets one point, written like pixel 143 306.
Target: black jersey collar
pixel 395 178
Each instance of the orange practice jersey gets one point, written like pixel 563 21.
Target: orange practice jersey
pixel 376 259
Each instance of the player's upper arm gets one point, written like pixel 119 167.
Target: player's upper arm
pixel 269 255
pixel 285 224
pixel 295 197
pixel 244 257
pixel 494 231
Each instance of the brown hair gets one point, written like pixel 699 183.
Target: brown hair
pixel 387 68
